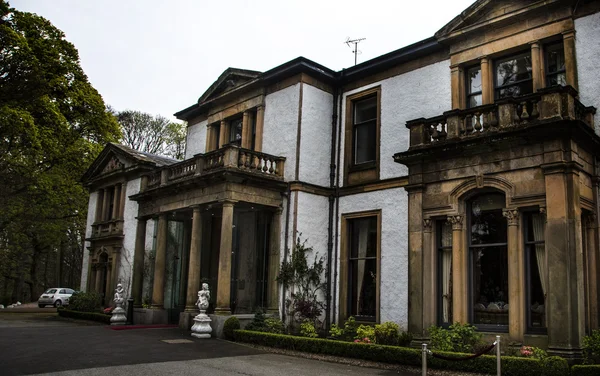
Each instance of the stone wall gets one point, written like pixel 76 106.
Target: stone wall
pixel 587 50
pixel 129 229
pixel 91 215
pixel 195 139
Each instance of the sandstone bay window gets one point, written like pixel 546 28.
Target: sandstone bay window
pixel 360 269
pixel 488 262
pixel 513 76
pixel 444 262
pixel 535 270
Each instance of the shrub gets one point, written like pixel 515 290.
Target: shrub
pixel 335 331
pixel 350 326
pixel 387 333
pixel 94 316
pixel 364 333
pixel 511 366
pixel 229 326
pixel 85 302
pixel 274 325
pixel 458 337
pixel 307 329
pixel 591 348
pixel 585 370
pixel 258 322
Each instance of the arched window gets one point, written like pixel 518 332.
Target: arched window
pixel 488 261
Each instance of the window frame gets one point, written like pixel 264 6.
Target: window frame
pixel 547 73
pixel 439 249
pixel 527 248
pixel 497 61
pixel 345 249
pixel 467 84
pixel 231 130
pixel 368 171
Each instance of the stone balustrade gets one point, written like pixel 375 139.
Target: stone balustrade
pixel 556 103
pixel 228 157
pixel 107 228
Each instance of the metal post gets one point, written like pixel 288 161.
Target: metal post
pixel 424 359
pixel 498 369
pixel 129 311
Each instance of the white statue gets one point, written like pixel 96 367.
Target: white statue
pixel 118 314
pixel 201 327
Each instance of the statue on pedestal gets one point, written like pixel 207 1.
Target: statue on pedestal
pixel 201 327
pixel 118 314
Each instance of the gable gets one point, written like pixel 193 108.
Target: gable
pixel 229 80
pixel 109 162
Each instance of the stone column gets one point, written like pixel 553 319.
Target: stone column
pixel 274 261
pixel 116 213
pixel 116 265
pixel 90 277
pixel 457 87
pixel 138 262
pixel 487 88
pixel 224 278
pixel 193 285
pixel 105 200
pixel 459 271
pixel 158 289
pixel 536 66
pixel 209 136
pixel 260 120
pixel 592 272
pixel 98 276
pixel 415 260
pixel 515 285
pixel 429 275
pixel 570 59
pixel 224 134
pixel 246 131
pixel 123 200
pixel 99 205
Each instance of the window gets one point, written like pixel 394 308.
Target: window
pixel 216 131
pixel 110 196
pixel 554 56
pixel 364 130
pixel 474 90
pixel 235 131
pixel 359 293
pixel 444 262
pixel 488 262
pixel 535 267
pixel 513 76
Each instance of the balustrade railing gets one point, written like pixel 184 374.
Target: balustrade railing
pixel 230 156
pixel 507 113
pixel 107 228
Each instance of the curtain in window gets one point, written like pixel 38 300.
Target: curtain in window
pixel 540 249
pixel 363 240
pixel 446 271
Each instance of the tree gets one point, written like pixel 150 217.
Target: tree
pixel 152 134
pixel 53 124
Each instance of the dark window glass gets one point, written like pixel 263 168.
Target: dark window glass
pixel 513 76
pixel 535 263
pixel 362 268
pixel 555 65
pixel 488 261
pixel 235 131
pixel 444 257
pixel 217 130
pixel 365 130
pixel 474 87
pixel 111 202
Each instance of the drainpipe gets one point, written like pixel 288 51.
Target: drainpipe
pixel 286 247
pixel 331 205
pixel 337 192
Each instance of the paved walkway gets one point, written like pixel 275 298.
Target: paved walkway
pixel 44 343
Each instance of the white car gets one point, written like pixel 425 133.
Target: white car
pixel 56 296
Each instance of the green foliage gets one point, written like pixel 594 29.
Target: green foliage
pixel 258 322
pixel 554 366
pixel 511 366
pixel 306 281
pixel 389 333
pixel 335 331
pixel 591 348
pixel 229 326
pixel 93 316
pixel 53 124
pixel 458 338
pixel 365 332
pixel 85 302
pixel 307 329
pixel 585 370
pixel 350 327
pixel 274 325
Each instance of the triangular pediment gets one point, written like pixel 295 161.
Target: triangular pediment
pixel 229 80
pixel 489 13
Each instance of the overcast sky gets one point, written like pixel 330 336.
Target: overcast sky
pixel 160 56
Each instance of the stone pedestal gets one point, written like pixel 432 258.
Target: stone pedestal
pixel 118 315
pixel 201 327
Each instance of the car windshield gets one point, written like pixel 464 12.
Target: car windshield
pixel 50 291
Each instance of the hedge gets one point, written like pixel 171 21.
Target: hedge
pixel 585 370
pixel 511 366
pixel 94 316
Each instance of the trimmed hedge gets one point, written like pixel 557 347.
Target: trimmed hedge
pixel 511 366
pixel 586 370
pixel 94 316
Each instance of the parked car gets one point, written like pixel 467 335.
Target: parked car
pixel 56 296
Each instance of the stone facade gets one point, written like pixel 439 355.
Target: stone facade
pixel 394 210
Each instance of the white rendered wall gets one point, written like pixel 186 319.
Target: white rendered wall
pixel 129 230
pixel 313 214
pixel 281 126
pixel 195 141
pixel 587 50
pixel 91 215
pixel 393 291
pixel 424 92
pixel 315 140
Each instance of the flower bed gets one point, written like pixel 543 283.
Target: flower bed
pixel 101 317
pixel 511 366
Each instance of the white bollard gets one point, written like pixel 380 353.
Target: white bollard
pixel 498 367
pixel 424 359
